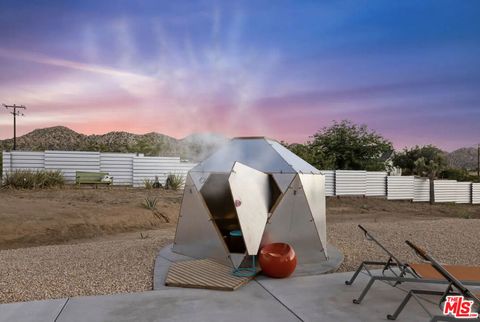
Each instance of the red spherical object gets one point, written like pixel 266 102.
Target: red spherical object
pixel 277 260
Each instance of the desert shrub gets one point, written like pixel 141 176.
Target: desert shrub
pixel 151 204
pixel 142 236
pixel 454 174
pixel 457 174
pixel 465 215
pixel 152 184
pixel 174 181
pixel 148 183
pixel 28 179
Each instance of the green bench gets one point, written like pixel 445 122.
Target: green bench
pixel 95 178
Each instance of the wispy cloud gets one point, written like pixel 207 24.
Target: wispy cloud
pixel 47 60
pixel 242 68
pixel 193 87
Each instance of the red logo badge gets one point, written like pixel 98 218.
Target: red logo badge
pixel 459 307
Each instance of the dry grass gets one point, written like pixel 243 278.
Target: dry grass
pixel 53 216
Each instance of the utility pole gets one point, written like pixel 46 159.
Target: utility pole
pixel 13 110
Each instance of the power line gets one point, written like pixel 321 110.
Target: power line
pixel 13 110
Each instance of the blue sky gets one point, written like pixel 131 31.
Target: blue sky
pixel 408 69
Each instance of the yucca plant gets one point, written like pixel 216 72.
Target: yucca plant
pixel 174 181
pixel 148 183
pixel 151 204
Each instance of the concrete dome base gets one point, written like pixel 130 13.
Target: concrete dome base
pixel 165 257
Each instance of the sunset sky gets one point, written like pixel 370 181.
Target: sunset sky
pixel 284 69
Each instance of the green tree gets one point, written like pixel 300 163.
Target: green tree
pixel 315 157
pixel 348 146
pixel 406 159
pixel 147 147
pixel 429 169
pixel 455 174
pixel 302 150
pixel 427 161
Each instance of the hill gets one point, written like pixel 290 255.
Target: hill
pixel 194 147
pixel 465 158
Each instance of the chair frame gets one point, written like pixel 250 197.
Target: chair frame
pixel 453 284
pixel 405 274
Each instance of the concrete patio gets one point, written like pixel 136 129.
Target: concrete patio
pixel 303 298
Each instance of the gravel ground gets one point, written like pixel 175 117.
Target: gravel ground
pixel 90 268
pixel 125 263
pixel 452 241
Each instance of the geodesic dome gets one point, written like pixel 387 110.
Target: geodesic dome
pixel 259 187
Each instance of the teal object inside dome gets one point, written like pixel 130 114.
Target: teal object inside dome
pixel 236 233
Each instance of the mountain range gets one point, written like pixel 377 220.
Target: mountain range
pixel 466 158
pixel 194 147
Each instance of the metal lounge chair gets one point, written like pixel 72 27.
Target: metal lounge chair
pixel 455 287
pixel 409 272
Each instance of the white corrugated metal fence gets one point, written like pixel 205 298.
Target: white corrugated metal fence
pixel 149 167
pixel 329 182
pixel 6 163
pixel 376 183
pixel 464 192
pixel 126 168
pixel 421 189
pixel 400 188
pixel 476 193
pixel 71 161
pixel 118 165
pixel 350 183
pixel 132 170
pixel 445 190
pixel 27 160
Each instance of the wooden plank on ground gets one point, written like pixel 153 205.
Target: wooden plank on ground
pixel 204 273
